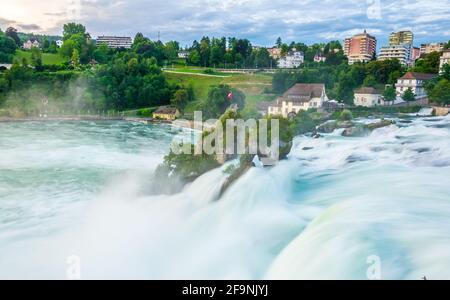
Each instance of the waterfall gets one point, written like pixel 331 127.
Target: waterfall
pixel 321 214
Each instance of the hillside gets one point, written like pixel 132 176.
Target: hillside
pixel 47 58
pixel 254 86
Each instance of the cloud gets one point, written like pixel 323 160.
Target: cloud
pixel 29 27
pixel 6 23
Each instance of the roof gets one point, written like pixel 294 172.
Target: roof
pixel 419 76
pixel 304 92
pixel 165 110
pixel 368 91
pixel 263 106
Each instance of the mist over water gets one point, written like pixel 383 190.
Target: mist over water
pixel 80 189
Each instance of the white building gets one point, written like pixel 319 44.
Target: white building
pixel 28 45
pixel 368 97
pixel 400 52
pixel 115 42
pixel 415 81
pixel 183 54
pixel 431 47
pixel 300 97
pixel 59 43
pixel 319 58
pixel 445 60
pixel 294 59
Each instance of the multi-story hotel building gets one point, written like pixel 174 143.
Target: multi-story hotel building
pixel 115 41
pixel 432 47
pixel 361 47
pixel 401 38
pixel 400 52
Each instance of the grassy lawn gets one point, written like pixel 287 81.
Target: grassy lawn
pixel 253 85
pixel 47 58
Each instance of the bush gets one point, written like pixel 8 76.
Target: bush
pixel 208 71
pixel 146 112
pixel 346 115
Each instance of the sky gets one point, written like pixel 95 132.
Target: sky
pixel 261 21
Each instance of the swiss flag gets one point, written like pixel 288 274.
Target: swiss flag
pixel 230 96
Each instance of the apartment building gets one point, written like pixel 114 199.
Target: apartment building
pixel 401 38
pixel 431 47
pixel 400 52
pixel 115 42
pixel 361 47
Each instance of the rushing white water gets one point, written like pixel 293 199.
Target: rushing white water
pixel 80 189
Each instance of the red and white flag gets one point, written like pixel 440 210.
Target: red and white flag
pixel 230 96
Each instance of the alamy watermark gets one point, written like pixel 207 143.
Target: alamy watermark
pixel 73 271
pixel 374 270
pixel 74 10
pixel 233 137
pixel 374 9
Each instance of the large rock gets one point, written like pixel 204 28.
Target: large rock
pixel 327 127
pixel 381 124
pixel 356 131
pixel 440 111
pixel 364 130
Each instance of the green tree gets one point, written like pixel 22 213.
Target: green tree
pixel 171 50
pixel 36 59
pixel 12 33
pixel 440 94
pixel 428 63
pixel 408 95
pixel 346 115
pixel 389 94
pixel 219 100
pixel 194 57
pixel 370 81
pixel 71 29
pixel 75 59
pixel 279 42
pixel 180 99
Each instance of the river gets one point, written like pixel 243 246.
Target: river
pixel 80 189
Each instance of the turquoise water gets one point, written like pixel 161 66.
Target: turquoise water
pixel 81 189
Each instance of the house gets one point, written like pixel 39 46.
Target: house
pixel 301 96
pixel 415 81
pixel 59 43
pixel 368 97
pixel 445 60
pixel 116 42
pixel 183 54
pixel 294 59
pixel 319 58
pixel 166 113
pixel 275 52
pixel 28 45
